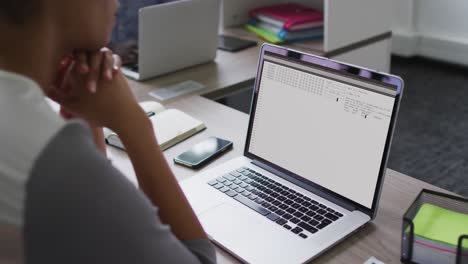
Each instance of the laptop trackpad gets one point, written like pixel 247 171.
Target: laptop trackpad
pixel 246 232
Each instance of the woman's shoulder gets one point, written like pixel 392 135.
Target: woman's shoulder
pixel 27 124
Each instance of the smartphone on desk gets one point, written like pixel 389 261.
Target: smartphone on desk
pixel 203 152
pixel 234 44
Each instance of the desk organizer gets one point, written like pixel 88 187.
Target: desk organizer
pixel 420 250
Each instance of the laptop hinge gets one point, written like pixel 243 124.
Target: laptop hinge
pixel 312 189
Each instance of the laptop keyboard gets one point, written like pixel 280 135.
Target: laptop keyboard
pixel 294 211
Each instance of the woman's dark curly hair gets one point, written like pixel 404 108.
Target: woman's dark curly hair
pixel 17 11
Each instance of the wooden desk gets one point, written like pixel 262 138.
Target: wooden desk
pixel 381 238
pixel 225 73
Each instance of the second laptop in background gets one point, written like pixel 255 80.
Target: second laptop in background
pixel 175 36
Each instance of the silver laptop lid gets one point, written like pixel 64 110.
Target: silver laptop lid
pixel 323 124
pixel 177 35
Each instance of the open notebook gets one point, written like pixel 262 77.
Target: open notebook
pixel 171 126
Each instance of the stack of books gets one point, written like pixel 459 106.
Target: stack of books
pixel 286 23
pixel 436 234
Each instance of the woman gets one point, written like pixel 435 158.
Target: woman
pixel 61 201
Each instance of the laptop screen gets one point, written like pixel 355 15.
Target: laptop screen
pixel 323 125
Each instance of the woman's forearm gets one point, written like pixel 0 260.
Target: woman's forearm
pixel 157 181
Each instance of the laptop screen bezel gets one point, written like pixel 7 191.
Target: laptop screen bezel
pixel 338 67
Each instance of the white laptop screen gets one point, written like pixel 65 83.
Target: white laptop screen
pixel 323 126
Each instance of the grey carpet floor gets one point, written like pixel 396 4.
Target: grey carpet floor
pixel 431 135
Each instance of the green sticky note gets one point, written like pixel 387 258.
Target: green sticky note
pixel 440 225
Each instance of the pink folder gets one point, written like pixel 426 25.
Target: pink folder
pixel 289 16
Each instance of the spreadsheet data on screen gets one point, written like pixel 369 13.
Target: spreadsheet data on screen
pixel 330 132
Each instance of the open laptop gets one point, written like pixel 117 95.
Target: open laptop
pixel 174 36
pixel 314 161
